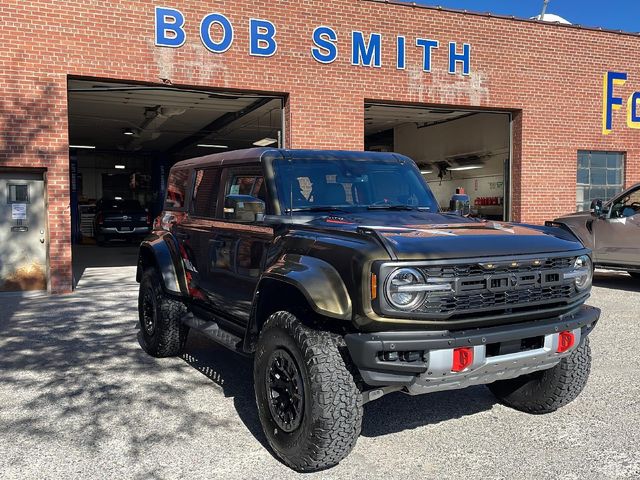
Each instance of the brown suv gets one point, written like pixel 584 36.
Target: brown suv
pixel 611 230
pixel 338 273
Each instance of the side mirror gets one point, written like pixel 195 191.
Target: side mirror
pixel 243 208
pixel 460 204
pixel 596 207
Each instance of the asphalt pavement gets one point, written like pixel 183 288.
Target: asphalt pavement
pixel 80 399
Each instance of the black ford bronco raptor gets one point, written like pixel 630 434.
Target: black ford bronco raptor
pixel 338 273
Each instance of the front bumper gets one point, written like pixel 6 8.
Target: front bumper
pixel 491 362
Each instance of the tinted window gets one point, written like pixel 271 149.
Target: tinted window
pixel 205 192
pixel 248 184
pixel 176 189
pixel 351 183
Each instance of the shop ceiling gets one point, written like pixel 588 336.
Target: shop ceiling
pixel 379 118
pixel 134 118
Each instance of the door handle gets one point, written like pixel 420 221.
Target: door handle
pixel 182 235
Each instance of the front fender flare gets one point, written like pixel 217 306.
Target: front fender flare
pixel 317 280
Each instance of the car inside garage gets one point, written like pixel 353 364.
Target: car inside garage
pixel 456 150
pixel 124 138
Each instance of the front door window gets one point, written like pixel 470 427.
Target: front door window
pixel 626 206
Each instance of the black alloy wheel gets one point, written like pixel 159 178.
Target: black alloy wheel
pixel 162 332
pixel 148 311
pixel 285 390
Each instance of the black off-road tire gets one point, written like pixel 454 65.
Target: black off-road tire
pixel 548 390
pixel 635 275
pixel 331 416
pixel 169 334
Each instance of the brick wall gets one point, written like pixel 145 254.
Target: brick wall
pixel 549 75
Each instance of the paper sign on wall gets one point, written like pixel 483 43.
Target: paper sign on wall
pixel 18 211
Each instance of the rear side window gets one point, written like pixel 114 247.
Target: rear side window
pixel 205 192
pixel 176 189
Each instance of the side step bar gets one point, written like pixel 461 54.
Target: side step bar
pixel 213 331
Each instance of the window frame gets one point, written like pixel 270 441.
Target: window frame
pixel 231 171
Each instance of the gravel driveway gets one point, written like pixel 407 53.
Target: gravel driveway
pixel 80 399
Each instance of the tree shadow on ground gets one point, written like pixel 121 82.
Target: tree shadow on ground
pixel 232 372
pixel 83 378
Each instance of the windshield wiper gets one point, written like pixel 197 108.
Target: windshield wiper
pixel 397 207
pixel 315 209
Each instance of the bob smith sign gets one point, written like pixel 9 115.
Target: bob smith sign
pixel 217 35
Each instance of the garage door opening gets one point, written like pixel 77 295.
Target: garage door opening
pixel 453 149
pixel 123 140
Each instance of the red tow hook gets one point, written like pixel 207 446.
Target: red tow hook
pixel 566 340
pixel 462 358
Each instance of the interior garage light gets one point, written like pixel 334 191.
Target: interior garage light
pixel 128 131
pixel 466 167
pixel 120 167
pixel 82 146
pixel 424 172
pixel 265 142
pixel 208 145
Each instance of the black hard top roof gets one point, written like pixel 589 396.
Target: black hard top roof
pixel 258 155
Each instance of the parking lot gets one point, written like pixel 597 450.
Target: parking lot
pixel 79 398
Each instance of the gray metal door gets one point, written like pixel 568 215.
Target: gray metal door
pixel 23 249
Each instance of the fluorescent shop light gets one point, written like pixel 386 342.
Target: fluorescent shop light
pixel 466 167
pixel 82 146
pixel 265 142
pixel 208 145
pixel 120 167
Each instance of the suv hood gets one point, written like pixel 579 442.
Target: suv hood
pixel 423 235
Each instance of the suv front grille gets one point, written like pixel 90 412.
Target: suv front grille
pixel 452 304
pixel 488 288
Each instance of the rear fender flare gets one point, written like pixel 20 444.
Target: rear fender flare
pixel 161 253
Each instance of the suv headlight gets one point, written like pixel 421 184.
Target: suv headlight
pixel 582 273
pixel 404 288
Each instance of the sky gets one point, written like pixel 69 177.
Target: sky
pixel 610 14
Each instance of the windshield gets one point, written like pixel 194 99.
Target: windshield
pixel 350 184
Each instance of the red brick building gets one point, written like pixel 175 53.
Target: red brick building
pixel 543 81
